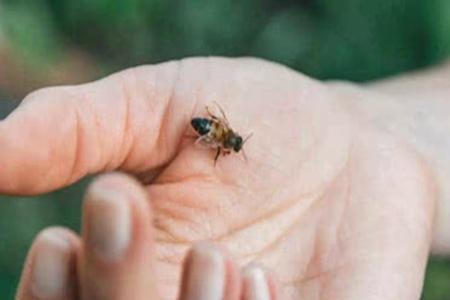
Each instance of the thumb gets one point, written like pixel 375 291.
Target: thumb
pixel 60 134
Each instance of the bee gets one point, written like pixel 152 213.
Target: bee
pixel 216 132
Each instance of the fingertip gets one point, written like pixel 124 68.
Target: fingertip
pixel 209 272
pixel 117 239
pixel 117 215
pixel 50 272
pixel 120 182
pixel 257 285
pixel 203 273
pixel 107 224
pixel 37 143
pixel 63 233
pixel 57 135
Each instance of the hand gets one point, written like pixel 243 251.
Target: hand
pixel 335 207
pixel 116 261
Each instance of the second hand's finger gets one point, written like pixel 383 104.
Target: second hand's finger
pixel 257 285
pixel 118 247
pixel 208 274
pixel 50 269
pixel 57 135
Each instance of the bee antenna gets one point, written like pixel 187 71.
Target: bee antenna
pixel 247 138
pixel 243 150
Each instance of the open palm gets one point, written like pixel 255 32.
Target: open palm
pixel 334 207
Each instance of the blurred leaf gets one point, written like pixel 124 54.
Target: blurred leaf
pixel 28 27
pixel 437 280
pixel 438 13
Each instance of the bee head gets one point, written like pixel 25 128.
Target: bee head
pixel 237 143
pixel 201 125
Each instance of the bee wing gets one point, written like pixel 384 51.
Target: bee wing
pixel 222 112
pixel 205 141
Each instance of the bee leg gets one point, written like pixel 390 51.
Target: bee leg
pixel 190 134
pixel 217 156
pixel 199 140
pixel 227 152
pixel 203 139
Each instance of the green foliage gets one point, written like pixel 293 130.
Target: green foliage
pixel 28 27
pixel 439 29
pixel 437 285
pixel 349 39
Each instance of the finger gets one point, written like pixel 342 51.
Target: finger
pixel 50 269
pixel 118 247
pixel 208 274
pixel 57 135
pixel 257 285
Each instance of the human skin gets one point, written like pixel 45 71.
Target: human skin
pixel 114 256
pixel 332 202
pixel 414 107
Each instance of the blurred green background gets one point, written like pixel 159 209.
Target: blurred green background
pixel 44 42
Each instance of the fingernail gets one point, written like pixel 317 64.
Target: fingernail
pixel 109 225
pixel 255 283
pixel 206 274
pixel 50 276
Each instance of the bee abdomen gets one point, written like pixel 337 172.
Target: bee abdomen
pixel 201 125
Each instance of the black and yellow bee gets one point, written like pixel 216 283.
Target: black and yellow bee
pixel 217 133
